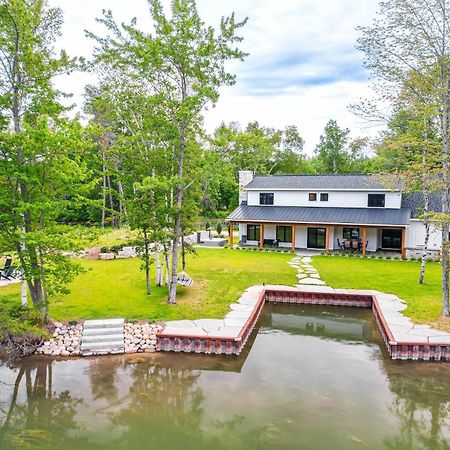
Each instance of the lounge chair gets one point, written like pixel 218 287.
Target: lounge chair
pixel 7 274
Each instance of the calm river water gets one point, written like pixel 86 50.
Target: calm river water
pixel 311 378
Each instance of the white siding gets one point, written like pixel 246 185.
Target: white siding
pixel 343 199
pixel 415 235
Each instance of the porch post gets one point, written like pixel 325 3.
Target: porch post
pixel 293 238
pixel 364 238
pixel 261 235
pixel 403 242
pixel 327 240
pixel 230 236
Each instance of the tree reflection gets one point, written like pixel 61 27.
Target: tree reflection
pixel 35 416
pixel 422 405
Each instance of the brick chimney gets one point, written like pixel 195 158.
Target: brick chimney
pixel 245 177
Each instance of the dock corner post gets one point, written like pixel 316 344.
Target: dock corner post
pixel 261 235
pixel 327 240
pixel 364 241
pixel 230 237
pixel 403 242
pixel 293 238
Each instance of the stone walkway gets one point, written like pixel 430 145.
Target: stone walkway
pixel 306 273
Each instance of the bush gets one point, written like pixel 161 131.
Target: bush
pixel 104 250
pixel 219 228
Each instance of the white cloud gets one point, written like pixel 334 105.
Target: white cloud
pixel 302 69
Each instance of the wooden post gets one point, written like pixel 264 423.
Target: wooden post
pixel 230 236
pixel 293 238
pixel 261 235
pixel 364 238
pixel 327 240
pixel 403 243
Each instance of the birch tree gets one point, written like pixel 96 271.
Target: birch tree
pixel 410 39
pixel 40 163
pixel 182 62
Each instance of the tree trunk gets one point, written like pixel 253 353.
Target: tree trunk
pixel 147 263
pixel 445 196
pixel 183 254
pixel 104 190
pixel 111 202
pixel 426 200
pixel 158 265
pixel 177 227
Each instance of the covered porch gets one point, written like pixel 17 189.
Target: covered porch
pixel 321 237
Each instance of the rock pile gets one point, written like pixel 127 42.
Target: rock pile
pixel 141 337
pixel 65 341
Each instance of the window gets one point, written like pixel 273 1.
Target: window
pixel 351 233
pixel 266 198
pixel 376 200
pixel 284 234
pixel 323 197
pixel 253 232
pixel 391 239
pixel 316 237
pixel 312 197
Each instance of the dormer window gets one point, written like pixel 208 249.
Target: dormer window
pixel 266 198
pixel 376 200
pixel 312 197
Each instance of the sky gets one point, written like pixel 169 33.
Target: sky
pixel 302 69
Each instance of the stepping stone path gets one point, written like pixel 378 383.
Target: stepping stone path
pixel 306 273
pixel 102 337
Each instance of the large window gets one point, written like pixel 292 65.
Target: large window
pixel 351 233
pixel 312 197
pixel 391 239
pixel 376 200
pixel 266 198
pixel 316 237
pixel 253 232
pixel 284 234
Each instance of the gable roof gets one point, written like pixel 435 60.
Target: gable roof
pixel 415 201
pixel 319 182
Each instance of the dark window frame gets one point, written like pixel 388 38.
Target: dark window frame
pixel 284 233
pixel 312 197
pixel 350 231
pixel 266 198
pixel 253 232
pixel 316 234
pixel 324 196
pixel 376 200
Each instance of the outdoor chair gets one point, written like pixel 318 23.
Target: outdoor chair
pixel 355 244
pixel 341 246
pixel 243 240
pixel 8 264
pixel 8 273
pixel 275 243
pixel 347 245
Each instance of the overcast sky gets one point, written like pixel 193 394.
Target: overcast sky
pixel 303 67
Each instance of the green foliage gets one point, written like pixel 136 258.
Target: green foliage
pixel 17 321
pixel 219 228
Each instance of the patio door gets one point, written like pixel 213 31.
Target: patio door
pixel 316 237
pixel 391 239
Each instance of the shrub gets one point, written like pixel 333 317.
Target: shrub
pixel 104 250
pixel 219 228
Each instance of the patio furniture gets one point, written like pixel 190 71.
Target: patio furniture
pixel 347 245
pixel 243 240
pixel 7 265
pixel 185 280
pixel 355 244
pixel 7 274
pixel 341 246
pixel 275 243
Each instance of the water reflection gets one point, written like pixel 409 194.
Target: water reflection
pixel 313 378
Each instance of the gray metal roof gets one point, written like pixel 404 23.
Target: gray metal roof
pixel 415 201
pixel 322 215
pixel 320 182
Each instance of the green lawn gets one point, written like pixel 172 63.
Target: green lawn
pixel 394 277
pixel 117 288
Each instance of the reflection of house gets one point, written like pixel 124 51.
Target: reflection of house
pixel 329 212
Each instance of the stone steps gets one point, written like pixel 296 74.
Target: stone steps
pixel 102 337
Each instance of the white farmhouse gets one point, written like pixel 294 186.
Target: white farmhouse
pixel 331 212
